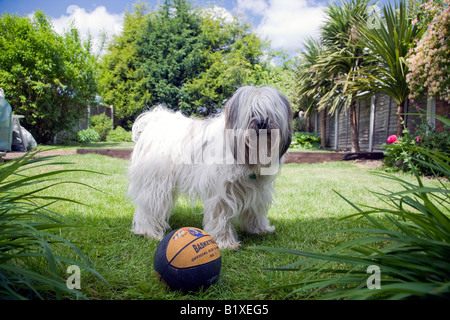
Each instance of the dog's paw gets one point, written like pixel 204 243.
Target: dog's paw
pixel 158 237
pixel 259 230
pixel 235 245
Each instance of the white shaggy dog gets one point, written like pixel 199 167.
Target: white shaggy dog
pixel 229 161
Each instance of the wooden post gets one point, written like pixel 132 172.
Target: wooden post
pixel 112 116
pixel 431 109
pixel 373 102
pixel 336 130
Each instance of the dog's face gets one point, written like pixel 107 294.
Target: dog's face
pixel 262 117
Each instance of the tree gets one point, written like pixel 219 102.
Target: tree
pixel 310 86
pixel 187 58
pixel 344 60
pixel 232 56
pixel 390 41
pixel 122 81
pixel 170 47
pixel 47 77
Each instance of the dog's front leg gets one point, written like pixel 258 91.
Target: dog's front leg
pixel 217 223
pixel 255 221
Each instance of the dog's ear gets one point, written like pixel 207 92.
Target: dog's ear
pixel 286 146
pixel 231 113
pixel 288 138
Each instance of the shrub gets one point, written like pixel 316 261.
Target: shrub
pixel 402 153
pixel 299 124
pixel 87 136
pixel 101 124
pixel 305 140
pixel 119 134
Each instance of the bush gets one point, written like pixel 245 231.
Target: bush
pixel 102 124
pixel 408 241
pixel 119 134
pixel 87 136
pixel 403 153
pixel 299 124
pixel 305 140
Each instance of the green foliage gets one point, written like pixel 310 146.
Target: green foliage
pixel 232 56
pixel 122 81
pixel 429 60
pixel 47 77
pixel 409 240
pixel 119 134
pixel 344 58
pixel 389 42
pixel 309 85
pixel 102 124
pixel 87 136
pixel 29 233
pixel 407 152
pixel 305 140
pixel 181 56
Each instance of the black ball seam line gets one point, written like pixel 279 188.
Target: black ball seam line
pixel 179 251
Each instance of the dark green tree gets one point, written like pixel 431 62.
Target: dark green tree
pixel 122 81
pixel 187 58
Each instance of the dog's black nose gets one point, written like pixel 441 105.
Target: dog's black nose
pixel 262 124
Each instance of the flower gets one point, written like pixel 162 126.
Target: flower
pixel 418 139
pixel 392 139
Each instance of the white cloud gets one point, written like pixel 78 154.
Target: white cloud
pixel 219 12
pixel 254 6
pixel 286 23
pixel 95 23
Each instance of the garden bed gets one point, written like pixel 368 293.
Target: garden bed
pixel 291 157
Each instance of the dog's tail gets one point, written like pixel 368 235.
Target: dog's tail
pixel 142 121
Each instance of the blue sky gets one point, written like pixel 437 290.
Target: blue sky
pixel 286 23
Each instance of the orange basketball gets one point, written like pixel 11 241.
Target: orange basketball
pixel 187 259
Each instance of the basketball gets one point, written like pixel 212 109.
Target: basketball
pixel 187 259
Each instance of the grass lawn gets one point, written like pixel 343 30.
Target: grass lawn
pixel 305 212
pixel 94 145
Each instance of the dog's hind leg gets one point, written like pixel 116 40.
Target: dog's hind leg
pixel 154 196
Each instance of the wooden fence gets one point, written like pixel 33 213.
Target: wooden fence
pixel 377 120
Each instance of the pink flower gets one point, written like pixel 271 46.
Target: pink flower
pixel 392 139
pixel 418 139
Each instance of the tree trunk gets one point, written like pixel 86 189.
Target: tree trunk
pixel 400 110
pixel 308 123
pixel 354 127
pixel 323 129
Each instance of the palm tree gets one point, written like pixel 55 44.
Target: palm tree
pixel 344 60
pixel 389 41
pixel 310 86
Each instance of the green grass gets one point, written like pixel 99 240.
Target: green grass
pixel 305 213
pixel 94 145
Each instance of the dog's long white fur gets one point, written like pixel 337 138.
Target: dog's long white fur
pixel 171 157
